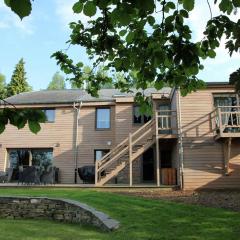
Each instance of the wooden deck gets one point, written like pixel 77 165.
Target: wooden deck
pixel 92 186
pixel 227 121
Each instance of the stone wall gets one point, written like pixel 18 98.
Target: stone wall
pixel 55 209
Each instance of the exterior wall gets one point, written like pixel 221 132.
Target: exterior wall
pixel 60 132
pixel 203 155
pixel 90 138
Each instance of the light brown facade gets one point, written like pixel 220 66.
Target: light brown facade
pixel 193 147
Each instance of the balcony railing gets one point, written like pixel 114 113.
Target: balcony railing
pixel 227 119
pixel 166 122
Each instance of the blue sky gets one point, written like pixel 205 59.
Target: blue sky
pixel 46 31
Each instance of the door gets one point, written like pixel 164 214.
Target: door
pixel 148 165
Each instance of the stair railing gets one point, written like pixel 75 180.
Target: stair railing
pixel 123 148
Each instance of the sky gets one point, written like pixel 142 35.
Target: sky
pixel 46 31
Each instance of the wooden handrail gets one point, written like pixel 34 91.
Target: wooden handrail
pixel 143 127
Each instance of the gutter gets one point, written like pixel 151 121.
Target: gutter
pixel 181 167
pixel 76 139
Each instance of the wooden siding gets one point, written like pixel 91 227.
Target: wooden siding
pixel 203 155
pixel 60 132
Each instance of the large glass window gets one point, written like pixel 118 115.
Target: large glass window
pixel 41 158
pixel 99 153
pixel 139 118
pixel 50 114
pixel 103 118
pixel 229 113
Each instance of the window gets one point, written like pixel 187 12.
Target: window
pixel 41 158
pixel 99 153
pixel 103 116
pixel 50 115
pixel 139 118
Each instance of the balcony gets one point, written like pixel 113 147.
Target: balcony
pixel 227 121
pixel 166 124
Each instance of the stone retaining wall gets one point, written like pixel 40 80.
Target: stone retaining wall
pixel 63 210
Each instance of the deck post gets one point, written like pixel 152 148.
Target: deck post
pixel 220 120
pixel 227 154
pixel 130 159
pixel 96 173
pixel 157 151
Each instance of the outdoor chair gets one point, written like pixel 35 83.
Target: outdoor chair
pixel 29 175
pixel 6 176
pixel 50 176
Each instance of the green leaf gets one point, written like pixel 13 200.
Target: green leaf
pixel 225 5
pixel 236 3
pixel 151 20
pixel 7 2
pixel 122 32
pixel 2 127
pixel 78 7
pixel 34 126
pixel 89 9
pixel 211 53
pixel 22 8
pixel 130 37
pixel 188 4
pixel 184 13
pixel 171 5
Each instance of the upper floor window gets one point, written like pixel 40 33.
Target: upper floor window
pixel 139 118
pixel 225 100
pixel 50 115
pixel 103 118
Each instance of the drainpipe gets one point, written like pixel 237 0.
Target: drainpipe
pixel 76 140
pixel 180 139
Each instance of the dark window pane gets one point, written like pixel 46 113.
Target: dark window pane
pixel 137 117
pixel 103 118
pixel 42 158
pixel 146 118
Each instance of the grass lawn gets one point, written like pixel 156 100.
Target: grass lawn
pixel 140 219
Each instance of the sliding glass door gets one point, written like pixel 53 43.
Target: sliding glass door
pixel 22 158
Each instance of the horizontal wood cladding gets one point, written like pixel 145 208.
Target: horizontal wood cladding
pixel 203 156
pixel 196 109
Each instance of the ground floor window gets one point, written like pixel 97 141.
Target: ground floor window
pixel 22 158
pixel 99 153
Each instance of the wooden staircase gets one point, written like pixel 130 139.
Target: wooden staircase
pixel 125 153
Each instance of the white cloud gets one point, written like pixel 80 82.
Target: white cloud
pixel 65 13
pixel 8 19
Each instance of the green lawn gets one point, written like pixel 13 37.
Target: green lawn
pixel 139 218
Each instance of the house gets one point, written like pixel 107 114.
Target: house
pixel 192 142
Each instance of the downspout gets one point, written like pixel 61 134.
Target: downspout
pixel 180 139
pixel 76 140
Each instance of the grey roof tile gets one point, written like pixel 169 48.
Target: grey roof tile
pixel 74 95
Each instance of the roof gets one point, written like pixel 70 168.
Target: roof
pixel 75 95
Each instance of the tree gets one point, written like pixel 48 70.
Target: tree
pixel 18 83
pixel 57 83
pixel 151 38
pixel 235 79
pixel 3 86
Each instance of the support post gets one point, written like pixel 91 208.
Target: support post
pixel 220 120
pixel 96 173
pixel 227 154
pixel 130 160
pixel 157 151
